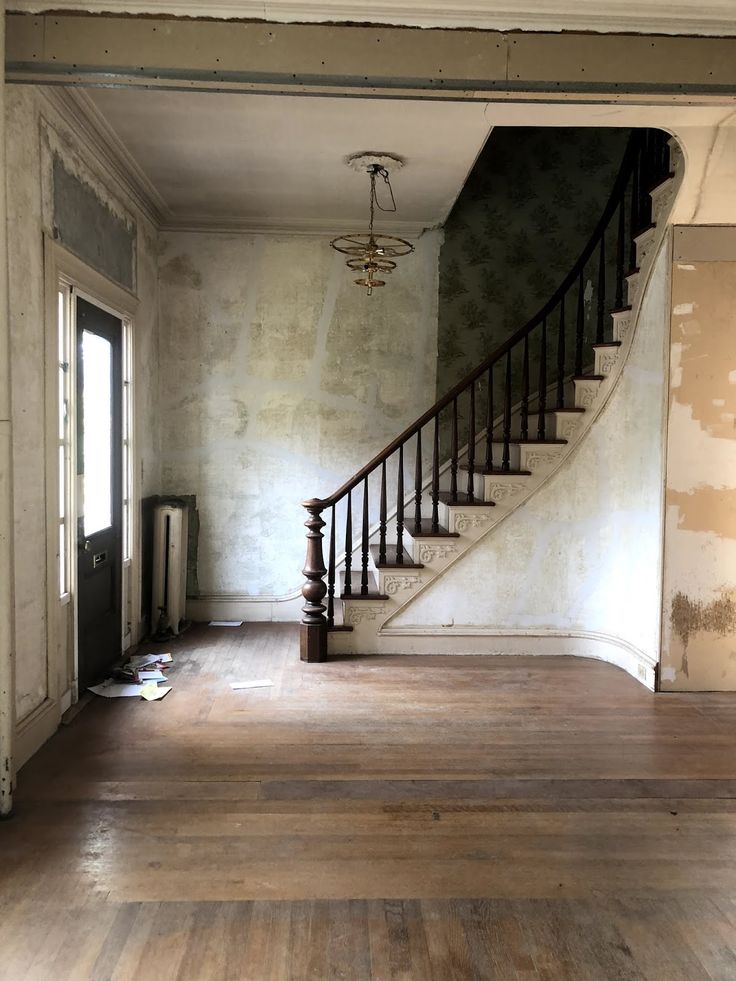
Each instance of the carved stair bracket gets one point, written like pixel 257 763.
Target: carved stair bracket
pixel 566 428
pixel 500 492
pixel 470 519
pixel 430 552
pixel 606 363
pixel 392 584
pixel 621 327
pixel 544 458
pixel 356 614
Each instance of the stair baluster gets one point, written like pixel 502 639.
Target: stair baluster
pixel 561 356
pixel 348 587
pixel 453 454
pixel 635 228
pixel 542 398
pixel 524 413
pixel 580 325
pixel 489 423
pixel 620 250
pixel 418 482
pixel 382 517
pixel 506 460
pixel 599 331
pixel 364 543
pixel 400 509
pixel 471 446
pixel 331 573
pixel 436 475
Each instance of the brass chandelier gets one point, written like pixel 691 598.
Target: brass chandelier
pixel 372 253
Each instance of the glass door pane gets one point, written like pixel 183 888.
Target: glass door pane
pixel 97 432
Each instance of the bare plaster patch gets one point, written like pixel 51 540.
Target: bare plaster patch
pixel 707 509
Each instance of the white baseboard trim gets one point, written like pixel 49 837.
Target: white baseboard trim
pixel 279 609
pixel 486 640
pixel 33 731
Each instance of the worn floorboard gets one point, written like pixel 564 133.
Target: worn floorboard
pixel 411 819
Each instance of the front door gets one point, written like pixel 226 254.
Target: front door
pixel 99 491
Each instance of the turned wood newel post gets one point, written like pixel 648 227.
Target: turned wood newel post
pixel 313 640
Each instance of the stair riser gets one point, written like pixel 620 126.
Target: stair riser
pixel 632 288
pixel 586 392
pixel 558 425
pixel 621 325
pixel 605 360
pixel 644 244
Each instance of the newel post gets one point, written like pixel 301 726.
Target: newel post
pixel 313 639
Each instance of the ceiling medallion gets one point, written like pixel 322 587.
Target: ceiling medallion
pixel 372 253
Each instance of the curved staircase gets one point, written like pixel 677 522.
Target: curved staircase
pixel 521 414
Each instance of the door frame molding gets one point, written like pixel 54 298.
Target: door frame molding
pixel 63 267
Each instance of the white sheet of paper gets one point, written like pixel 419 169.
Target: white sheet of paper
pixel 114 690
pixel 263 683
pixel 155 675
pixel 153 692
pixel 226 623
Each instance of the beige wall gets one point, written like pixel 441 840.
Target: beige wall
pixel 282 379
pixel 699 615
pixel 43 666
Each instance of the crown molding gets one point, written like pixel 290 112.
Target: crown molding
pixel 606 16
pixel 101 142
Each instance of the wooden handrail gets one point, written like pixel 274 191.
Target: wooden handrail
pixel 627 165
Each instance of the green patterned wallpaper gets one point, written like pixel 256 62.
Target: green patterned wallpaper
pixel 523 217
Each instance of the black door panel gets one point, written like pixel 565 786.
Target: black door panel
pixel 99 480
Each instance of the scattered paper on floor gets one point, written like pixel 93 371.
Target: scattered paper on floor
pixel 226 623
pixel 114 690
pixel 140 660
pixel 153 692
pixel 151 675
pixel 263 683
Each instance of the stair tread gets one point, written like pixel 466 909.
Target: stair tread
pixel 650 228
pixel 550 412
pixel 633 272
pixel 425 530
pixel 599 378
pixel 608 344
pixel 391 562
pixel 462 501
pixel 665 180
pixel 498 472
pixel 538 442
pixel 624 309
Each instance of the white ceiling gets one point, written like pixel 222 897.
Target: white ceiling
pixel 277 162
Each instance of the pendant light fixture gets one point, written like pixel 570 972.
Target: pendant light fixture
pixel 373 253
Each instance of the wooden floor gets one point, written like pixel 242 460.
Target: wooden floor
pixel 379 818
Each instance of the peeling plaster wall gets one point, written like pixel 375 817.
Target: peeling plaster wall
pixel 584 554
pixel 699 616
pixel 282 380
pixel 36 135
